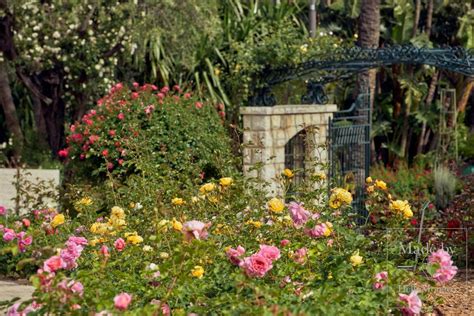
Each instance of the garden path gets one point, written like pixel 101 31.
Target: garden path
pixel 11 289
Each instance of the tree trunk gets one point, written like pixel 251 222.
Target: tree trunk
pixel 369 35
pixel 428 101
pixel 417 18
pixel 468 85
pixel 397 92
pixel 429 18
pixel 9 109
pixel 40 123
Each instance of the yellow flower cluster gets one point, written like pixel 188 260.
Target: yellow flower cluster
pixel 207 188
pixel 225 182
pixel 197 272
pixel 288 173
pixel 339 197
pixel 401 207
pixel 379 184
pixel 356 259
pixel 133 238
pixel 82 204
pixel 177 201
pixel 276 205
pixel 257 224
pixel 177 225
pixel 57 220
pixel 115 222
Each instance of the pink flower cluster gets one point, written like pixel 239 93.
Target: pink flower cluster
pixel 380 280
pixel 67 257
pixel 10 235
pixel 298 214
pixel 447 270
pixel 256 265
pixel 68 289
pixel 319 230
pixel 300 255
pixel 15 311
pixel 195 230
pixel 3 211
pixel 412 304
pixel 122 300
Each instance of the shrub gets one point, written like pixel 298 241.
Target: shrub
pixel 444 185
pixel 162 135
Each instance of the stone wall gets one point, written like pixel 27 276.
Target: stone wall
pixel 268 129
pixel 8 190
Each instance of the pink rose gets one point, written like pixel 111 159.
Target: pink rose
pixel 3 210
pixel 63 153
pixel 8 234
pixel 76 287
pixel 26 222
pixel 440 256
pixel 121 116
pixel 300 255
pixel 53 264
pixel 256 265
pixel 235 254
pixel 198 105
pixel 119 244
pixel 381 276
pixel 378 285
pixel 412 304
pixel 317 231
pixel 298 214
pixel 122 300
pixel 105 152
pixel 23 241
pixel 445 274
pixel 270 252
pixel 284 242
pixel 104 250
pixel 195 229
pixel 81 241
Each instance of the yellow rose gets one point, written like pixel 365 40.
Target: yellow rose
pixel 86 201
pixel 225 182
pixel 369 180
pixel 134 239
pixel 381 185
pixel 177 201
pixel 206 188
pixel 356 260
pixel 257 224
pixel 401 207
pixel 370 189
pixel 117 212
pixel 164 255
pixel 116 223
pixel 197 272
pixel 276 205
pixel 100 228
pixel 288 173
pixel 328 229
pixel 339 197
pixel 176 225
pixel 407 213
pixel 213 199
pixel 57 220
pixel 320 175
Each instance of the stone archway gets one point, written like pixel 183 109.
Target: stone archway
pixel 267 130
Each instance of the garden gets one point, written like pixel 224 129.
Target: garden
pixel 136 104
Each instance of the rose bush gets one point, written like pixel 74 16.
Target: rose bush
pixel 224 250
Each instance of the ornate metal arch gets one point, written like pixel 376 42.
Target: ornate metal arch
pixel 344 63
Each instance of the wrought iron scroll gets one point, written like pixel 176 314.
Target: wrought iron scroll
pixel 347 62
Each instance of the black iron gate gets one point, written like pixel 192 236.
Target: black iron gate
pixel 349 150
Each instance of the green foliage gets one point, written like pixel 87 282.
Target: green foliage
pixel 167 139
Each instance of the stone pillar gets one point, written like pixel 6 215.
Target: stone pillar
pixel 268 129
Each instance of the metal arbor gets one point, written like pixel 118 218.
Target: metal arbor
pixel 349 131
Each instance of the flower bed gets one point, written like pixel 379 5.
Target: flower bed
pixel 222 247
